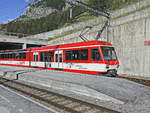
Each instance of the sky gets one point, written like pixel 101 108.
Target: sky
pixel 11 9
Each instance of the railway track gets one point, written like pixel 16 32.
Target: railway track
pixel 137 80
pixel 63 103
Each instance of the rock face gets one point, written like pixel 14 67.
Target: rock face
pixel 36 13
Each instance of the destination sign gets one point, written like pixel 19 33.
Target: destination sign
pixel 146 43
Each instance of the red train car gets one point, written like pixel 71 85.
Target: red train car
pixel 92 57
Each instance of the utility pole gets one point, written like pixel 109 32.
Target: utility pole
pixel 71 13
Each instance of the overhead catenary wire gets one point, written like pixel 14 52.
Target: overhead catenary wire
pixel 94 10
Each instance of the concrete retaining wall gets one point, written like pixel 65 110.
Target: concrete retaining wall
pixel 127 35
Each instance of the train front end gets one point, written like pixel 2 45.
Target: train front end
pixel 110 60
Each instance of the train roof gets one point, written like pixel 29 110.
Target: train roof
pixel 88 43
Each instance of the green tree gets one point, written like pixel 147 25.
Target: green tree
pixel 101 4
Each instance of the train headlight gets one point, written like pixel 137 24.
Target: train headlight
pixel 107 66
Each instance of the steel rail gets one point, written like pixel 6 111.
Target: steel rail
pixel 137 80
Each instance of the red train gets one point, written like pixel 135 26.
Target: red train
pixel 92 57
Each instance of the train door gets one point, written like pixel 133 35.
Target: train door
pixel 29 57
pixel 58 59
pixel 47 59
pixel 35 59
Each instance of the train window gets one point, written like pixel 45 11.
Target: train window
pixel 58 57
pixel 1 56
pixel 109 53
pixel 75 55
pixel 84 54
pixel 9 55
pixel 46 56
pixel 6 56
pixel 42 56
pixel 81 54
pixel 95 55
pixel 17 56
pixel 13 56
pixel 22 55
pixel 68 55
pixel 35 57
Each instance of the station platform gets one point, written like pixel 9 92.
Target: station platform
pixel 114 93
pixel 11 102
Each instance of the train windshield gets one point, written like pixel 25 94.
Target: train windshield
pixel 109 53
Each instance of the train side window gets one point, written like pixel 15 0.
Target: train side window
pixel 46 56
pixel 17 56
pixel 35 57
pixel 42 56
pixel 13 56
pixel 22 55
pixel 10 56
pixel 56 57
pixel 75 55
pixel 95 55
pixel 83 54
pixel 68 55
pixel 60 57
pixel 3 56
pixel 6 56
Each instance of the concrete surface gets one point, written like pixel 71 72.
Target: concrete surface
pixel 118 94
pixel 11 102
